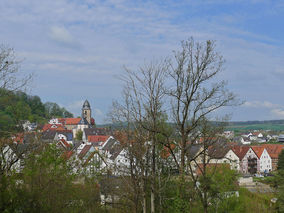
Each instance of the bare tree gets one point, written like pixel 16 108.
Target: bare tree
pixel 144 92
pixel 147 94
pixel 194 94
pixel 10 77
pixel 133 138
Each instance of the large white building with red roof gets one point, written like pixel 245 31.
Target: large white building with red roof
pixel 265 162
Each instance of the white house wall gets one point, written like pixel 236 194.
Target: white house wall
pixel 265 162
pixel 230 158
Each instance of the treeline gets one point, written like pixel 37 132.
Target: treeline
pixel 232 123
pixel 16 107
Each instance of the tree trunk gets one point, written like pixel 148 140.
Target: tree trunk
pixel 153 176
pixel 144 204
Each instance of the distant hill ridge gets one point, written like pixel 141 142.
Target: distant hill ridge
pixel 275 125
pixel 256 122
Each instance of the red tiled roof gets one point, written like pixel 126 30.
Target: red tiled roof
pixel 72 121
pixel 97 138
pixel 66 155
pixel 61 120
pixel 240 151
pixel 65 142
pixel 46 127
pixel 273 149
pixel 165 153
pixel 51 126
pixel 60 128
pixel 258 150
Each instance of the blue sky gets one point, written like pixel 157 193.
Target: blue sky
pixel 77 48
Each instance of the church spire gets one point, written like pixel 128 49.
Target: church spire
pixel 86 111
pixel 86 105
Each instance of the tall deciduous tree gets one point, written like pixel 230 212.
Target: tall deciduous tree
pixel 194 91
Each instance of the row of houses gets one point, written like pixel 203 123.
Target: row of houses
pixel 243 158
pixel 100 151
pixel 94 145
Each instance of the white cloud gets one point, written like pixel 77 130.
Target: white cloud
pixel 278 113
pixel 109 34
pixel 63 36
pixel 257 104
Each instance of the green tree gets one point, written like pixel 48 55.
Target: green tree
pixel 46 182
pixel 280 164
pixel 79 135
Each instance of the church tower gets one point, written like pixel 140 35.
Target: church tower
pixel 86 111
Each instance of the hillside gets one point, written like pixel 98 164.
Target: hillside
pixel 19 106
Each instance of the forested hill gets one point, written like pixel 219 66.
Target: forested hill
pixel 19 106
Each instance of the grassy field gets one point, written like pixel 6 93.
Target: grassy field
pixel 247 127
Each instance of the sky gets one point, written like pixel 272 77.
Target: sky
pixel 77 49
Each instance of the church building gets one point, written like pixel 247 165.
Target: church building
pixel 86 120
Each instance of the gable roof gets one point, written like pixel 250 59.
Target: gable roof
pixel 97 138
pixel 218 151
pixel 67 154
pixel 72 121
pixel 47 127
pixel 63 144
pixel 273 149
pixel 240 151
pixel 48 135
pixel 60 128
pixel 258 150
pixel 192 150
pixel 113 148
pixel 84 151
pixel 109 144
pixel 68 134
